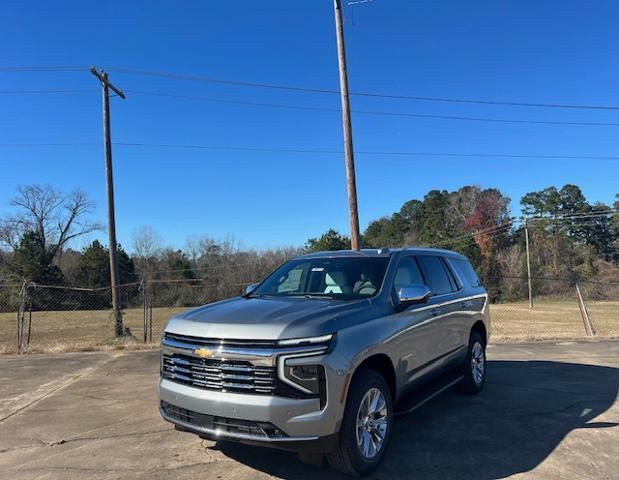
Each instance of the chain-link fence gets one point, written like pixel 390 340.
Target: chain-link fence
pixel 559 308
pixel 53 318
pixel 56 318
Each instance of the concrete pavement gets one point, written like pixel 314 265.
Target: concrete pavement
pixel 549 411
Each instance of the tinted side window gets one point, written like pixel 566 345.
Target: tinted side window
pixel 466 271
pixel 437 276
pixel 407 274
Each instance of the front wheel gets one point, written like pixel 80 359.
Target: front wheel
pixel 366 426
pixel 474 368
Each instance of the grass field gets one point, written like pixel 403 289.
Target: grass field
pixel 551 319
pixel 80 329
pixel 93 329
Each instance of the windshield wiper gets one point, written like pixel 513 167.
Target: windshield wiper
pixel 253 295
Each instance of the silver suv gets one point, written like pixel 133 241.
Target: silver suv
pixel 320 356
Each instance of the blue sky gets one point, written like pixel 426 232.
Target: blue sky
pixel 553 52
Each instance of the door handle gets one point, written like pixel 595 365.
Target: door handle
pixel 466 304
pixel 435 311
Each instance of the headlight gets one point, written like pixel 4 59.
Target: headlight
pixel 306 376
pixel 293 342
pixel 307 380
pixel 310 379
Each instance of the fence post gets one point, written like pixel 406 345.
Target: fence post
pixel 584 313
pixel 526 239
pixel 20 316
pixel 142 288
pixel 149 312
pixel 29 318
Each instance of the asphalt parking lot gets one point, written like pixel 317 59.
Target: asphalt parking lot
pixel 549 411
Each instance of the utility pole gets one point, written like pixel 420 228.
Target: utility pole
pixel 109 178
pixel 348 148
pixel 526 241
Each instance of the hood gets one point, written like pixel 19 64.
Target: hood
pixel 269 318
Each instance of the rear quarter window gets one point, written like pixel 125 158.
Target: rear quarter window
pixel 466 271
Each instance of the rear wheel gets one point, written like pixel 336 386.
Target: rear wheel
pixel 366 426
pixel 474 368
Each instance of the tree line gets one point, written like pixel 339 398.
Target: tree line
pixel 571 239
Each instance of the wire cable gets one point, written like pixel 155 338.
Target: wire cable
pixel 327 109
pixel 375 112
pixel 46 68
pixel 200 78
pixel 44 92
pixel 576 216
pixel 501 229
pixel 496 231
pixel 316 151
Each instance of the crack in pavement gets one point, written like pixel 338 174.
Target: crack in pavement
pixel 108 470
pixel 565 444
pixel 62 441
pixel 63 384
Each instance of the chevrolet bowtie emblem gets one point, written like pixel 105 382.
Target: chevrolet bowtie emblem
pixel 204 352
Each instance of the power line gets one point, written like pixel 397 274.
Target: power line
pixel 376 112
pixel 576 216
pixel 489 102
pixel 51 144
pixel 43 92
pixel 317 151
pixel 199 78
pixel 46 68
pixel 328 109
pixel 334 110
pixel 496 231
pixel 205 79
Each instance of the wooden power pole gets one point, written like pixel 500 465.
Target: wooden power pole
pixel 348 148
pixel 526 241
pixel 109 178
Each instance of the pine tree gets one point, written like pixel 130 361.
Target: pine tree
pixel 32 262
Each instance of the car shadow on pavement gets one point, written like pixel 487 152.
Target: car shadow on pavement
pixel 525 410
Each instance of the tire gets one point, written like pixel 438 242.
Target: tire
pixel 349 456
pixel 474 367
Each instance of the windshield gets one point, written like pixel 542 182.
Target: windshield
pixel 338 278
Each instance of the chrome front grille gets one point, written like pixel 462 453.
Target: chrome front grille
pixel 221 375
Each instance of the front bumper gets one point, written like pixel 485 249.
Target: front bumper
pixel 282 412
pixel 297 421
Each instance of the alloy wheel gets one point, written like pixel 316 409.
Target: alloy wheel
pixel 371 423
pixel 478 363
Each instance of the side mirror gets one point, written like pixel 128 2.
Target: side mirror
pixel 414 294
pixel 250 288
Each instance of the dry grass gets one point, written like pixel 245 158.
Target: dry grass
pixel 551 319
pixel 62 331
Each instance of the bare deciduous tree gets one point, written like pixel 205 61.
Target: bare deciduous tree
pixel 55 216
pixel 146 245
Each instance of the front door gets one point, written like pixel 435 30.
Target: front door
pixel 416 342
pixel 445 307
